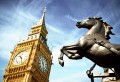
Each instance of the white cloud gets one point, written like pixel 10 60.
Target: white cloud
pixel 8 41
pixel 5 54
pixel 71 18
pixel 54 29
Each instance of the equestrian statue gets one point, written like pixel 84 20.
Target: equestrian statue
pixel 94 45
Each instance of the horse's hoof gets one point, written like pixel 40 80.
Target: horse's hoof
pixel 61 62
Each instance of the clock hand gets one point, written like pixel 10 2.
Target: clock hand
pixel 43 63
pixel 20 58
pixel 16 61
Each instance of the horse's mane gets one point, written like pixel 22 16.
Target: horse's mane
pixel 108 28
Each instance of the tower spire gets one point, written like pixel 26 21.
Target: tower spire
pixel 42 20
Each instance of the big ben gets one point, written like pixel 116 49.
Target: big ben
pixel 31 60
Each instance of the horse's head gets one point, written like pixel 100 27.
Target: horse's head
pixel 88 23
pixel 101 27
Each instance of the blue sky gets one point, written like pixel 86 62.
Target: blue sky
pixel 18 16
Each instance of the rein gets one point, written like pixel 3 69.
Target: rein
pixel 102 43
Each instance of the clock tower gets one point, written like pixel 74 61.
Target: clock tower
pixel 31 60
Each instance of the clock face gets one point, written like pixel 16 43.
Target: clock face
pixel 43 63
pixel 20 58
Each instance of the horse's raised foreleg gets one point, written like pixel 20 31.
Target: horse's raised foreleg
pixel 60 59
pixel 72 55
pixel 75 55
pixel 67 53
pixel 71 47
pixel 67 50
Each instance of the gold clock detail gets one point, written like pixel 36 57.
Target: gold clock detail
pixel 43 64
pixel 21 57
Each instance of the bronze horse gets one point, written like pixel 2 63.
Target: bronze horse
pixel 94 45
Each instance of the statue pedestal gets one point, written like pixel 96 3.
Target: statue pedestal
pixel 106 77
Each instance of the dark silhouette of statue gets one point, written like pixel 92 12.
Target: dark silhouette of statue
pixel 95 45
